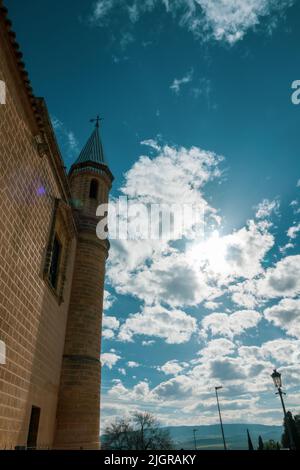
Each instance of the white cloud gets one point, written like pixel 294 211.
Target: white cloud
pixel 217 348
pixel 286 247
pixel 148 343
pixel 158 274
pixel 220 20
pixel 171 279
pixel 133 364
pixel 293 231
pixel 178 82
pixel 108 300
pixel 230 20
pixel 152 270
pixel 101 9
pixel 237 255
pixel 210 305
pixel 221 324
pixel 69 143
pixel 110 322
pixel 286 315
pixel 244 372
pixel 174 326
pixel 139 393
pixel 108 334
pixel 282 280
pixel 266 208
pixel 109 359
pixel 176 174
pixel 282 351
pixel 171 368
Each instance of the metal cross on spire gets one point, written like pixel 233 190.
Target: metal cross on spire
pixel 97 121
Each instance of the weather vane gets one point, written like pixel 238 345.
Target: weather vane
pixel 97 120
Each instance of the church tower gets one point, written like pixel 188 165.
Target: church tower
pixel 78 411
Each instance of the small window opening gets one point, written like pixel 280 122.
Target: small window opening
pixel 33 428
pixel 94 189
pixel 54 266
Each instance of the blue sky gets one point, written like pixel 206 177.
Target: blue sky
pixel 214 77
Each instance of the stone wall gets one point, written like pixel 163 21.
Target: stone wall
pixel 32 318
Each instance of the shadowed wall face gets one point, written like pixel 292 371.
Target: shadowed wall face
pixel 32 317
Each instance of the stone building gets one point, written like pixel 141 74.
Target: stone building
pixel 52 268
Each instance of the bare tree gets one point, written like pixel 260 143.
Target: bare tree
pixel 140 432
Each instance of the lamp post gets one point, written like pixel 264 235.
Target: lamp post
pixel 221 423
pixel 276 376
pixel 194 432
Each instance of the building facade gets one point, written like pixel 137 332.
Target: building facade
pixel 52 268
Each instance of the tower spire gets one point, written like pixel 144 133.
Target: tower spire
pixel 93 150
pixel 97 121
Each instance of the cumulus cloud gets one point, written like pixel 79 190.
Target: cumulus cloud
pixel 175 174
pixel 110 322
pixel 280 280
pixel 138 393
pixel 266 208
pixel 172 279
pixel 171 368
pixel 167 277
pixel 175 326
pixel 236 255
pixel 133 364
pixel 221 324
pixel 220 20
pixel 217 348
pixel 108 334
pixel 286 315
pixel 230 20
pixel 293 231
pixel 286 247
pixel 109 359
pixel 151 269
pixel 282 351
pixel 108 300
pixel 210 305
pixel 243 370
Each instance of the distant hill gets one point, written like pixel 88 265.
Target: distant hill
pixel 210 438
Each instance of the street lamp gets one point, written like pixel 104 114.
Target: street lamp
pixel 276 376
pixel 221 423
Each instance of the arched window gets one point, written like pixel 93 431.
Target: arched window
pixel 94 189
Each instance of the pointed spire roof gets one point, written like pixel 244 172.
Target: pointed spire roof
pixel 91 158
pixel 93 150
